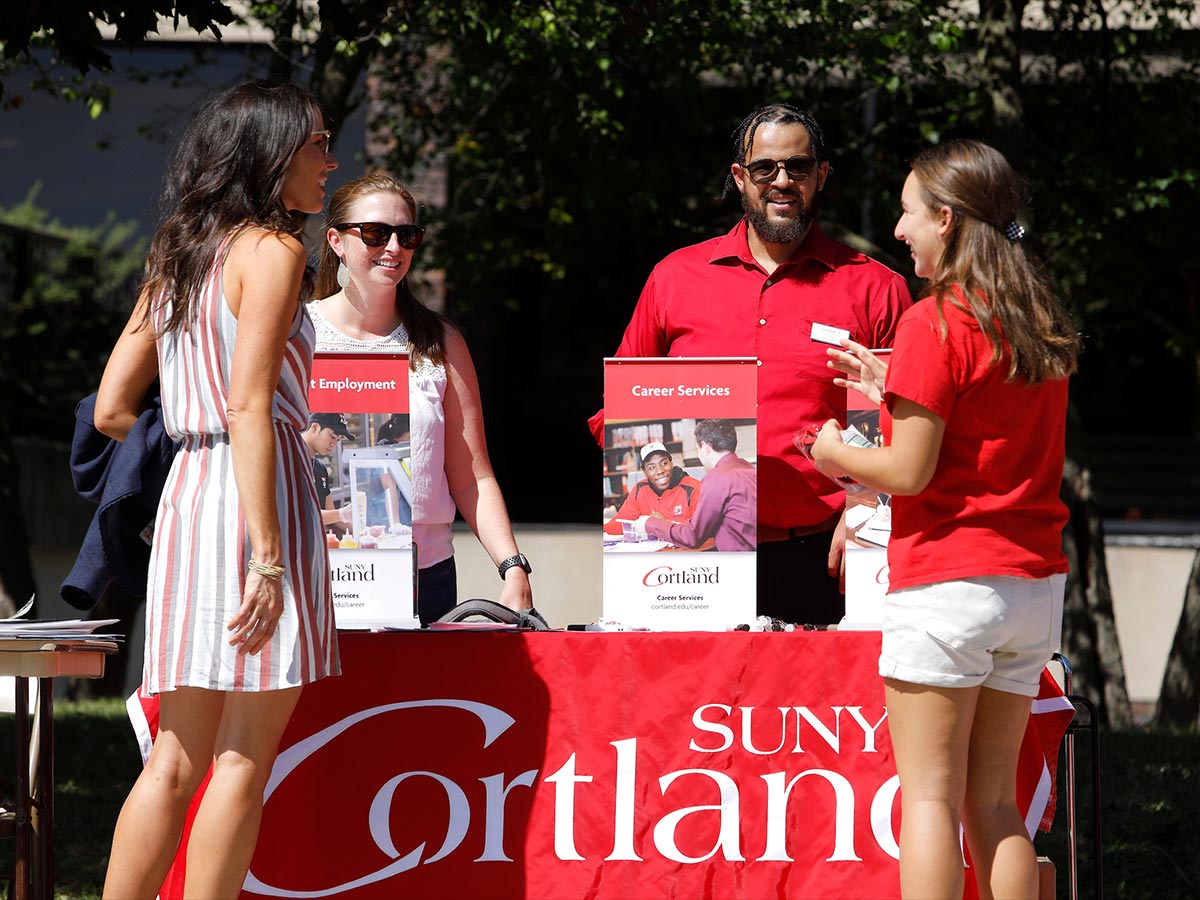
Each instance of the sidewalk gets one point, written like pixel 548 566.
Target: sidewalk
pixel 1148 584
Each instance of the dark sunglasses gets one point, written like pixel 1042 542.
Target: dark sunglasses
pixel 763 171
pixel 377 234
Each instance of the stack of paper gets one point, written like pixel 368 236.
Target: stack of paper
pixel 57 629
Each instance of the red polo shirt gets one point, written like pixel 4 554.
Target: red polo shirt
pixel 992 506
pixel 713 299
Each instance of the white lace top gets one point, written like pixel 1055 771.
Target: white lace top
pixel 432 507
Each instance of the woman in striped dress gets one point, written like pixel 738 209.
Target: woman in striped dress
pixel 239 609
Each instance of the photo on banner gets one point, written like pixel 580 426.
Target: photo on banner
pixel 676 559
pixel 372 558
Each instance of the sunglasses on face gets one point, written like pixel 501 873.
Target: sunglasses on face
pixel 763 171
pixel 323 139
pixel 377 234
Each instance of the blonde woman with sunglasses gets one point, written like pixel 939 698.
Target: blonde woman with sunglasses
pixel 368 306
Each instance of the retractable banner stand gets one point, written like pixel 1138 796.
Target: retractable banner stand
pixel 868 524
pixel 372 557
pixel 680 519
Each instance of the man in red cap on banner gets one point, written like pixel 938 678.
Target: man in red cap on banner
pixel 667 490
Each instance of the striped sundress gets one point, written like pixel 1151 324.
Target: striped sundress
pixel 201 548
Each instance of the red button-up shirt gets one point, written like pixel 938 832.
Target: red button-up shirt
pixel 725 510
pixel 713 299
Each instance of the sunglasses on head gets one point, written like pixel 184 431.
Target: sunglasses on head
pixel 377 234
pixel 763 171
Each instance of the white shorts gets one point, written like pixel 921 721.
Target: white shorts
pixel 998 631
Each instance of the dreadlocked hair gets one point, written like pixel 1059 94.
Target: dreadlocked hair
pixel 774 114
pixel 1002 284
pixel 426 328
pixel 226 176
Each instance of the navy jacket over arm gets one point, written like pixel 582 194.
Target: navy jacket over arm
pixel 125 479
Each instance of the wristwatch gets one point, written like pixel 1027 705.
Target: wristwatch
pixel 518 560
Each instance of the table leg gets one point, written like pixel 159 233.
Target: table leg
pixel 43 794
pixel 21 864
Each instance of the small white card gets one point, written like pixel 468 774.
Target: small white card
pixel 827 334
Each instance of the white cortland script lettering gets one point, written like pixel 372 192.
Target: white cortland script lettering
pixel 843 827
pixel 497 795
pixel 881 817
pixel 495 723
pixel 624 807
pixel 728 840
pixel 564 781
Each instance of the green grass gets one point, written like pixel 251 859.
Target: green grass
pixel 1150 791
pixel 1150 797
pixel 96 762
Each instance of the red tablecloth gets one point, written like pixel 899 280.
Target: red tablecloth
pixel 580 765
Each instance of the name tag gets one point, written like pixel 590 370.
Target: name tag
pixel 827 334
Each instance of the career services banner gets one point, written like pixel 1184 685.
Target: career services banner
pixel 665 567
pixel 631 766
pixel 372 557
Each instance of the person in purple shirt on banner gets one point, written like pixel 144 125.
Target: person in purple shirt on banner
pixel 727 509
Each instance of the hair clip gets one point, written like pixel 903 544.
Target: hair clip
pixel 1014 232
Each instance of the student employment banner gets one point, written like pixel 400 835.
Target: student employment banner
pixel 680 493
pixel 367 475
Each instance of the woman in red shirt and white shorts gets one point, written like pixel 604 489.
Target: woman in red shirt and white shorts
pixel 975 407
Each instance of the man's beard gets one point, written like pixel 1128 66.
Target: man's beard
pixel 779 231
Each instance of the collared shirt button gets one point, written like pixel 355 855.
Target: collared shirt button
pixel 760 362
pixel 762 321
pixel 768 283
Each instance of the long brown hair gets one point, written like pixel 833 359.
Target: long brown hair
pixel 1003 285
pixel 426 328
pixel 226 174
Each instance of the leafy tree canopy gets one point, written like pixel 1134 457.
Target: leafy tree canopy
pixel 70 30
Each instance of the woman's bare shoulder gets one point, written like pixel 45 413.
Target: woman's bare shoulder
pixel 256 246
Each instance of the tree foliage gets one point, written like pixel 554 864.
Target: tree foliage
pixel 63 298
pixel 71 32
pixel 74 288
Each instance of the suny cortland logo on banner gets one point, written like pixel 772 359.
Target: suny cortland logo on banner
pixel 660 575
pixel 751 750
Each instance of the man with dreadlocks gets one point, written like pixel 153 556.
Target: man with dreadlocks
pixel 774 288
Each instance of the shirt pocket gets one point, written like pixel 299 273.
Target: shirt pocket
pixel 810 359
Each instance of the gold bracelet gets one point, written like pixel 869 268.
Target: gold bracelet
pixel 266 570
